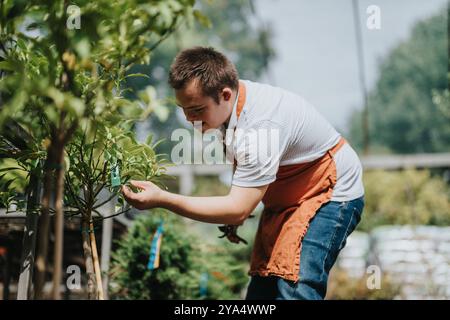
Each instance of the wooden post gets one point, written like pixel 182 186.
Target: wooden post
pixel 87 251
pixel 98 275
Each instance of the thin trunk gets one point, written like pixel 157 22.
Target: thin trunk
pixel 43 228
pixel 29 239
pixel 98 273
pixel 91 283
pixel 59 225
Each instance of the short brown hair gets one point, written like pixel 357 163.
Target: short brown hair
pixel 213 70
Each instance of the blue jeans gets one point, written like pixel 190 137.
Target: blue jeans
pixel 325 238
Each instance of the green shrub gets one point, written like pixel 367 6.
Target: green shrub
pixel 184 261
pixel 404 197
pixel 343 287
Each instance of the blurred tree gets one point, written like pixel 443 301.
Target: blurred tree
pixel 235 30
pixel 403 117
pixel 406 197
pixel 441 97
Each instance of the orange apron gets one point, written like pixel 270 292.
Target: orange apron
pixel 290 202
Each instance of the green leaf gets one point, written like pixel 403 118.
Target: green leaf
pixel 10 168
pixel 6 184
pixel 149 139
pixel 162 112
pixel 137 75
pixel 83 48
pixel 6 65
pixel 202 19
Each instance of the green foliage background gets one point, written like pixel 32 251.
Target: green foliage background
pixel 233 29
pixel 409 106
pixel 405 197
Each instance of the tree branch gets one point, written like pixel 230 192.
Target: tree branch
pixel 113 215
pixel 104 202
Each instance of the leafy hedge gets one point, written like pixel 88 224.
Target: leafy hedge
pixel 405 197
pixel 185 264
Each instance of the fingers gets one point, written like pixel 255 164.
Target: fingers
pixel 128 194
pixel 132 198
pixel 140 184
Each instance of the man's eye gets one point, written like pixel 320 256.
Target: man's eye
pixel 197 111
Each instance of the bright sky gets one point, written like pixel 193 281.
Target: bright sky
pixel 316 47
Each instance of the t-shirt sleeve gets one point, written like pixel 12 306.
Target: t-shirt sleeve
pixel 258 151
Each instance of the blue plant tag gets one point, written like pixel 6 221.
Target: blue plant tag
pixel 153 261
pixel 115 175
pixel 204 284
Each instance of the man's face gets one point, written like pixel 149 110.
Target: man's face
pixel 198 107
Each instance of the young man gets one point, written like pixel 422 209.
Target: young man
pixel 310 183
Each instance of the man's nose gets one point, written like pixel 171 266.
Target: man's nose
pixel 196 123
pixel 192 117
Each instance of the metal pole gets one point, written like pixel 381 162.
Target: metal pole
pixel 362 77
pixel 107 234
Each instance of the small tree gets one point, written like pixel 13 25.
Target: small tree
pixel 95 155
pixel 58 76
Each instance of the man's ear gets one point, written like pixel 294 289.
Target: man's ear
pixel 226 94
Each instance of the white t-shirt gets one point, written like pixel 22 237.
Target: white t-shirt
pixel 277 128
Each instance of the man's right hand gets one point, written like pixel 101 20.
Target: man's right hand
pixel 149 197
